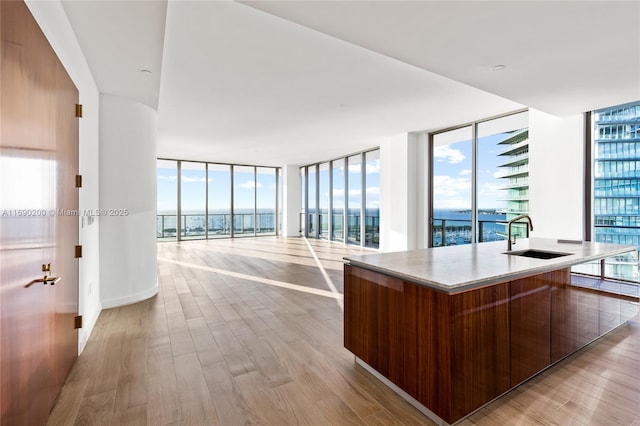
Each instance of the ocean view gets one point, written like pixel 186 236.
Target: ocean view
pixel 457 226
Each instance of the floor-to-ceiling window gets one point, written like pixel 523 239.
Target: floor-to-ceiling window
pixel 615 197
pixel 340 199
pixel 372 199
pixel 451 182
pixel 337 182
pixel 312 220
pixel 354 198
pixel 479 180
pixel 266 194
pixel 324 196
pixel 193 203
pixel 244 200
pixel 303 198
pixel 219 200
pixel 216 200
pixel 167 206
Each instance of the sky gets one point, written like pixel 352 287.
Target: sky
pixel 452 174
pixel 193 187
pixel 193 190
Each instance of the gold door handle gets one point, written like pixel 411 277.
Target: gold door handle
pixel 44 280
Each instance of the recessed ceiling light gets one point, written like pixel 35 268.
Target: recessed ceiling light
pixel 498 67
pixel 144 71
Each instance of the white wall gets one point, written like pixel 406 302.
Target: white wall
pixel 128 135
pixel 55 26
pixel 402 192
pixel 291 201
pixel 556 175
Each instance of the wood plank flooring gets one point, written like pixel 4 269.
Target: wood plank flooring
pixel 248 331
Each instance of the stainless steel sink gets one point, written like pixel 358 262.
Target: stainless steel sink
pixel 538 254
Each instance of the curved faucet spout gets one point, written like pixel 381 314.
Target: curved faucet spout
pixel 522 216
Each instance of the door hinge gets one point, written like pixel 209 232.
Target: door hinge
pixel 79 110
pixel 78 181
pixel 77 321
pixel 78 251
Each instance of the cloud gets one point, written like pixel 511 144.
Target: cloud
pixel 446 153
pixel 447 186
pixel 373 190
pixel 499 173
pixel 373 167
pixel 465 172
pixel 187 179
pixel 171 178
pixel 249 185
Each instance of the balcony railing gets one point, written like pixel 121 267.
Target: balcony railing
pixel 372 227
pixel 450 232
pixel 193 225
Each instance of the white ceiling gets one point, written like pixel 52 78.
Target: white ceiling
pixel 276 83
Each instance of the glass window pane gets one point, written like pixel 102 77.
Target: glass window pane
pixel 502 176
pixel 303 199
pixel 193 184
pixel 219 220
pixel 244 201
pixel 280 201
pixel 311 201
pixel 337 220
pixel 451 177
pixel 616 186
pixel 372 216
pixel 167 204
pixel 266 201
pixel 355 198
pixel 324 194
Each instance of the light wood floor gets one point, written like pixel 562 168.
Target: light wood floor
pixel 248 331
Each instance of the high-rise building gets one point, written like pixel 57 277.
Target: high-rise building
pixel 616 203
pixel 516 176
pixel 616 184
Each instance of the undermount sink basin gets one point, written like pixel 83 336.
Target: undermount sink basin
pixel 538 254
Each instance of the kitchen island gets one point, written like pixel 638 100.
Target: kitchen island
pixel 452 328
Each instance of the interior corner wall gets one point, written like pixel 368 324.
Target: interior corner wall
pixel 556 175
pixel 53 21
pixel 128 138
pixel 401 192
pixel 291 201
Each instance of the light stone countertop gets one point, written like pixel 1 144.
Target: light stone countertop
pixel 458 268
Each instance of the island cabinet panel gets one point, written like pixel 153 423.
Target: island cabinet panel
pixel 565 320
pixel 530 318
pixel 609 306
pixel 449 352
pixel 480 360
pixel 427 347
pixel 588 312
pixel 375 322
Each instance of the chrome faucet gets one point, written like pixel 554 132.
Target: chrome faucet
pixel 522 216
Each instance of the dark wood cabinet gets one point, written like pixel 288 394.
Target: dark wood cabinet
pixel 530 318
pixel 454 353
pixel 480 360
pixel 565 321
pixel 375 311
pixel 449 352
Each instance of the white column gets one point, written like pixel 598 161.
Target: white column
pixel 128 134
pixel 291 201
pixel 402 192
pixel 556 175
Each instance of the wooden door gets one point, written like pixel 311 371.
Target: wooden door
pixel 38 222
